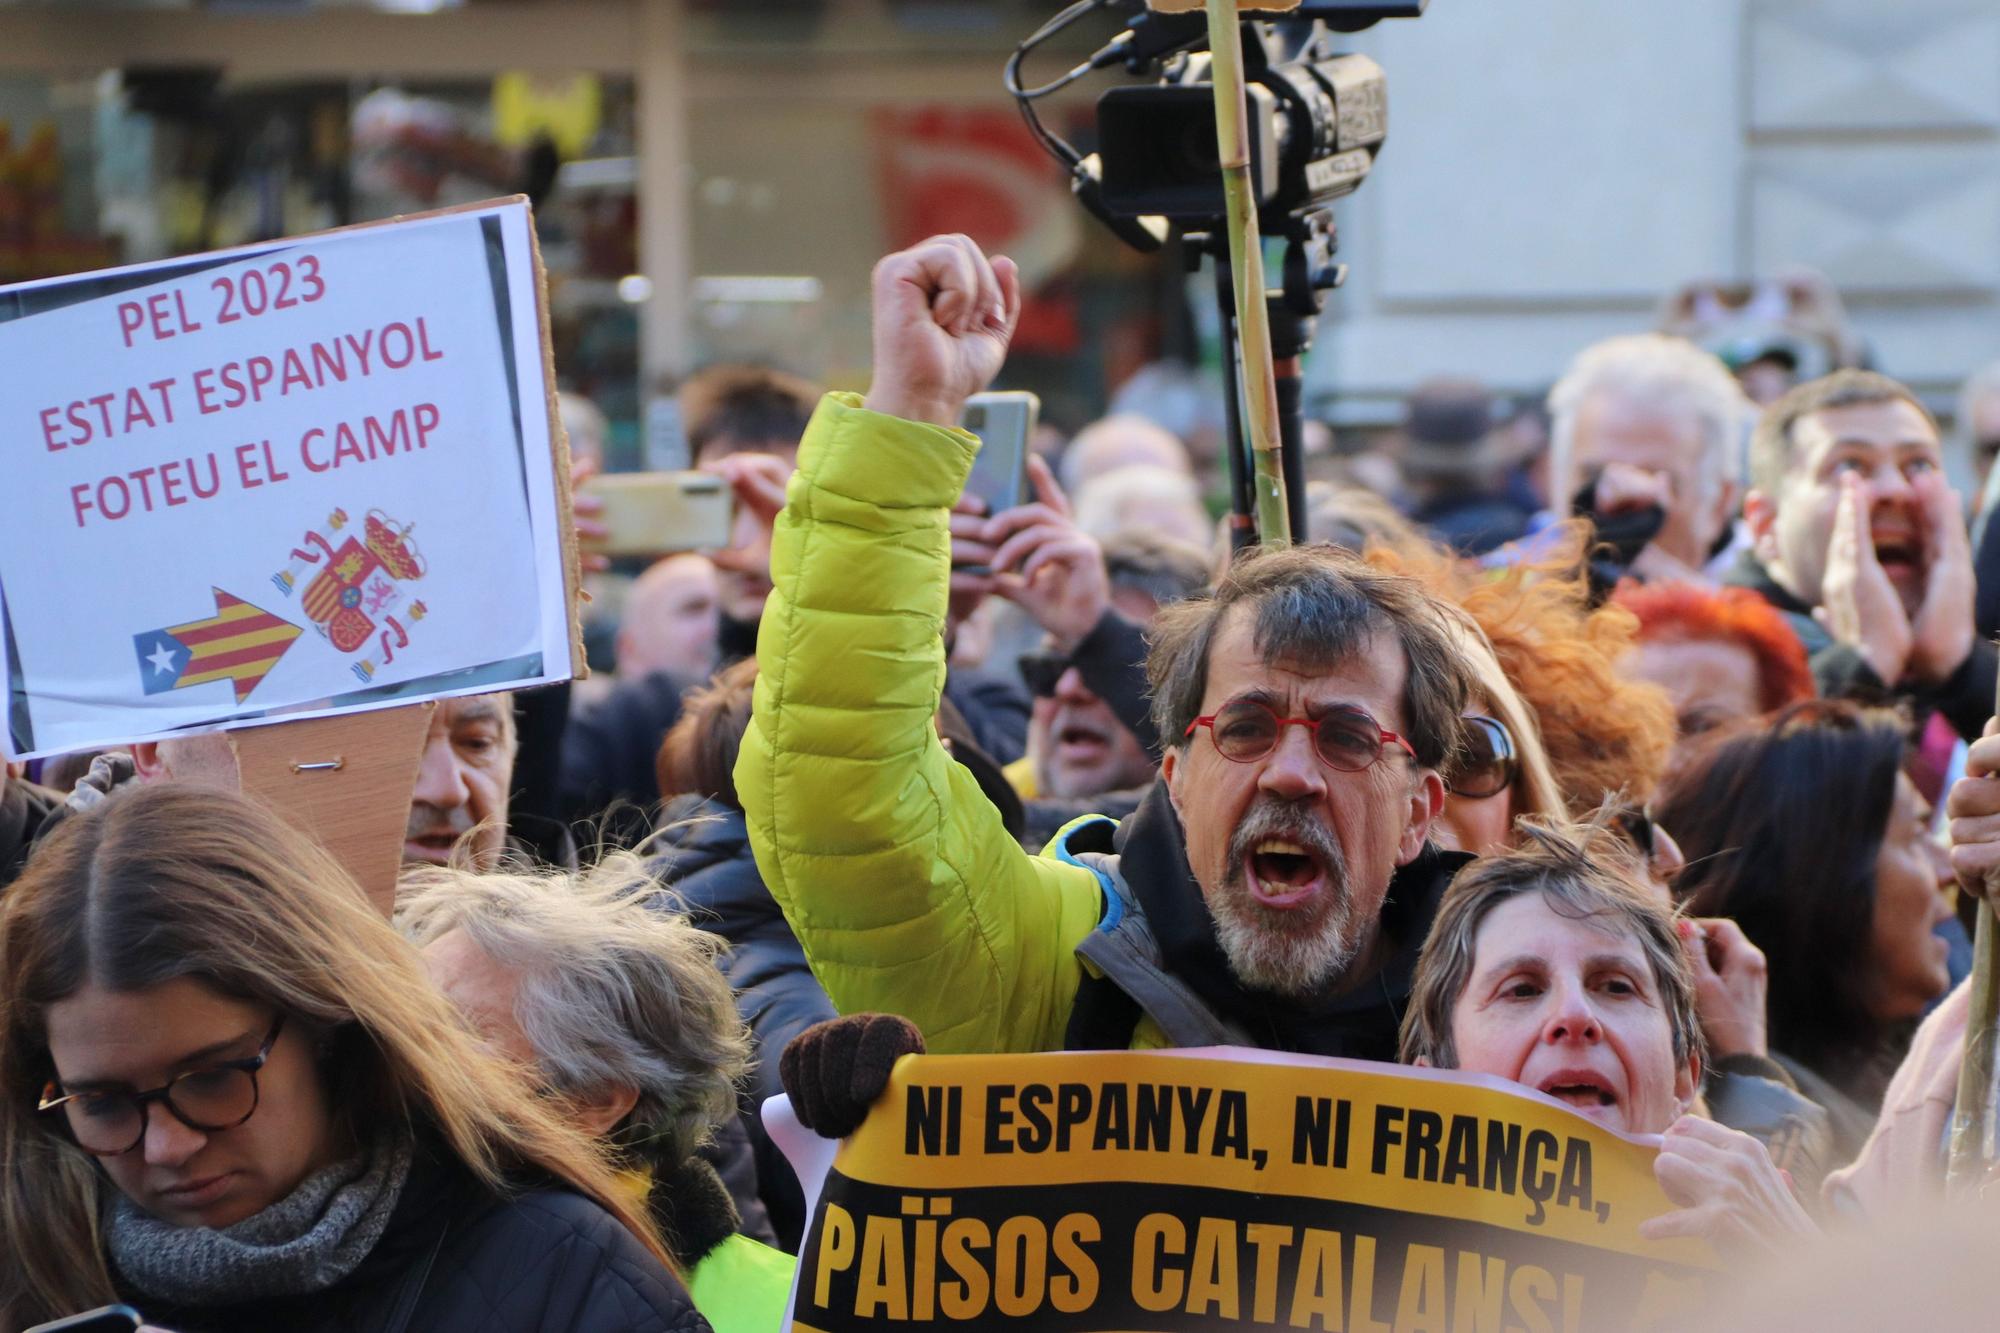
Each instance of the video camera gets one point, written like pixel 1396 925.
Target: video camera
pixel 1316 118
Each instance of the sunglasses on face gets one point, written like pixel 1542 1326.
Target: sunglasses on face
pixel 1488 760
pixel 1041 670
pixel 1348 739
pixel 1637 826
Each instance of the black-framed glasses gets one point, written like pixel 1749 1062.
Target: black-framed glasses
pixel 1245 730
pixel 112 1121
pixel 1488 760
pixel 1041 669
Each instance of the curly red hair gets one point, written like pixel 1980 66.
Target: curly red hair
pixel 1733 615
pixel 1606 735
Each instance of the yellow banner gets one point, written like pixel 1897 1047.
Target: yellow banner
pixel 1165 1191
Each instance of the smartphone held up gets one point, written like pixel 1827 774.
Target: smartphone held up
pixel 660 513
pixel 1005 425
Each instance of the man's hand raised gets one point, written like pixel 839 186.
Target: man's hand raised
pixel 1861 608
pixel 943 316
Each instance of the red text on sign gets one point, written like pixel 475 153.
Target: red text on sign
pixel 160 316
pixel 259 291
pixel 148 488
pixel 107 414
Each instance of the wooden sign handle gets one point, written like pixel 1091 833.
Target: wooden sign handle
pixel 346 780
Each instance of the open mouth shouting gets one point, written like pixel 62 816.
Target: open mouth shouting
pixel 433 832
pixel 1283 873
pixel 1080 741
pixel 1900 552
pixel 1588 1091
pixel 1286 860
pixel 1283 911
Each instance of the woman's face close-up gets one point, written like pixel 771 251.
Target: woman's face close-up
pixel 1909 957
pixel 137 1041
pixel 1572 1010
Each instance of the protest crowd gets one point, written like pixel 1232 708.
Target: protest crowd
pixel 1635 747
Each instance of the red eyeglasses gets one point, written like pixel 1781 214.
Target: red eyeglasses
pixel 1245 730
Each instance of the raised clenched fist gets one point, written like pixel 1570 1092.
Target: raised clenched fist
pixel 943 316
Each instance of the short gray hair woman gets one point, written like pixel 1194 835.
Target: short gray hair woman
pixel 1555 967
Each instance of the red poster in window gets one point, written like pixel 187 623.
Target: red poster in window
pixel 979 171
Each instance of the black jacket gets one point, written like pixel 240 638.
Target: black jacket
pixel 608 753
pixel 709 866
pixel 1473 523
pixel 1840 672
pixel 546 1261
pixel 995 712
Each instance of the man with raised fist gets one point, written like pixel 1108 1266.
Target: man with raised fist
pixel 1272 889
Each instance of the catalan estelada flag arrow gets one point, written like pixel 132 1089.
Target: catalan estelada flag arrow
pixel 240 643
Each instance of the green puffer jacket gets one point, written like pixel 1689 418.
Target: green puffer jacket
pixel 906 891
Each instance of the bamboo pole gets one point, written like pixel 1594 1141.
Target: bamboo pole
pixel 1972 1136
pixel 1256 378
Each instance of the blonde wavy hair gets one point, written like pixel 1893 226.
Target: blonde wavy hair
pixel 616 987
pixel 169 882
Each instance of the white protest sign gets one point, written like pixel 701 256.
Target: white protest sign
pixel 288 480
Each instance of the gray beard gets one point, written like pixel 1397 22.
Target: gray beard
pixel 1270 949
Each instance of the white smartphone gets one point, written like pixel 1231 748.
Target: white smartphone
pixel 1005 424
pixel 658 513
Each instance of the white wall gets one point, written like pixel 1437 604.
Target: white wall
pixel 1554 167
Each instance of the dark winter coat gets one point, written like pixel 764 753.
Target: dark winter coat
pixel 609 749
pixel 709 867
pixel 544 1261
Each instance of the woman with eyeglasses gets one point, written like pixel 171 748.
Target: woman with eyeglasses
pixel 230 1097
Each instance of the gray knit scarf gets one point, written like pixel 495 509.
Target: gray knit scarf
pixel 304 1243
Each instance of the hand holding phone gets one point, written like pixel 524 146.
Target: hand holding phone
pixel 658 513
pixel 1048 566
pixel 1004 423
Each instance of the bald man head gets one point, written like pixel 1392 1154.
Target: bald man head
pixel 1125 440
pixel 672 616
